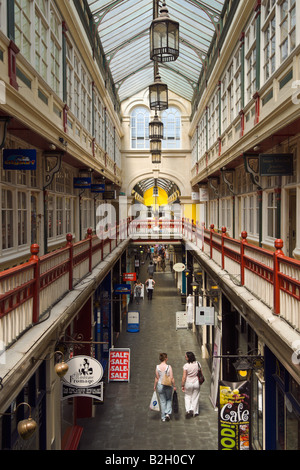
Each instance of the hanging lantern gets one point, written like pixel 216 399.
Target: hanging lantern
pixel 156 128
pixel 158 95
pixel 155 146
pixel 164 37
pixel 156 158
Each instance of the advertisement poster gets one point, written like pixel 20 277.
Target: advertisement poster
pixel 234 415
pixel 119 365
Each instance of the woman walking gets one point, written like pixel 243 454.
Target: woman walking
pixel 164 391
pixel 190 385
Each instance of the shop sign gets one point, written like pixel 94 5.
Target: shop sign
pixel 109 195
pixel 98 188
pixel 19 159
pixel 119 365
pixel 234 415
pixel 129 276
pixel 276 164
pixel 203 194
pixel 205 316
pixel 83 378
pixel 122 289
pixel 82 183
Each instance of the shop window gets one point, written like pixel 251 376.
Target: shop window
pixel 7 219
pixel 22 218
pixel 272 215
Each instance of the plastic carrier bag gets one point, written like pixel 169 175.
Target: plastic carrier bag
pixel 154 404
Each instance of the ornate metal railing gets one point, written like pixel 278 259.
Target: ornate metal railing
pixel 29 290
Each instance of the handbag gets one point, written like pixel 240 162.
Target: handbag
pixel 166 380
pixel 200 375
pixel 175 402
pixel 154 403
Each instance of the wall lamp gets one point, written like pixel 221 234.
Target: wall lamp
pixel 26 427
pixel 194 286
pixel 61 368
pixel 245 363
pixel 4 120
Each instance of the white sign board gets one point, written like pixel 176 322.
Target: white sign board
pixel 179 267
pixel 203 192
pixel 205 316
pixel 83 378
pixel 133 321
pixel 181 320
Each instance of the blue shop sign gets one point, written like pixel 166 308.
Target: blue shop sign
pixel 82 182
pixel 98 188
pixel 19 159
pixel 122 289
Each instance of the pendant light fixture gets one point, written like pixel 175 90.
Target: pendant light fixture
pixel 158 94
pixel 156 128
pixel 164 37
pixel 156 158
pixel 155 146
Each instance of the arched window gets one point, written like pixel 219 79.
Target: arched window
pixel 172 123
pixel 140 128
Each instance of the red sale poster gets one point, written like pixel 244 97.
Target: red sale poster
pixel 119 365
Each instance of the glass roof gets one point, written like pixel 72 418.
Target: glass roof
pixel 169 186
pixel 123 27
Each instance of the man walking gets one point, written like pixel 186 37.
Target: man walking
pixel 151 269
pixel 150 283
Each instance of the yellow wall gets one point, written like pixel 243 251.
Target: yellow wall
pixel 162 199
pixel 190 211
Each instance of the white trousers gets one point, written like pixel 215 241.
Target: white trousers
pixel 191 396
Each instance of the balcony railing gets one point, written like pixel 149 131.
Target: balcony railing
pixel 271 276
pixel 28 291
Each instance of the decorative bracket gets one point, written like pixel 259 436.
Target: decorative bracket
pixel 251 163
pixel 50 174
pixel 214 187
pixel 227 176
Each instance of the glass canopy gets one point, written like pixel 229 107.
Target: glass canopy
pixel 123 27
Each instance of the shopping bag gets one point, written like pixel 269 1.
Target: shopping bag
pixel 154 404
pixel 175 402
pixel 200 375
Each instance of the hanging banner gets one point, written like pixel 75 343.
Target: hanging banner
pixel 83 378
pixel 82 182
pixel 119 365
pixel 97 188
pixel 19 159
pixel 122 289
pixel 234 415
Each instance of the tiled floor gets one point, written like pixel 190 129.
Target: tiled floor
pixel 124 421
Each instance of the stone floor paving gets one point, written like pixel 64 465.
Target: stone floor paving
pixel 124 421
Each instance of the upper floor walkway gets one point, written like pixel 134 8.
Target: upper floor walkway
pixel 28 291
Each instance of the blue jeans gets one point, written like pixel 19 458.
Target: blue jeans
pixel 165 398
